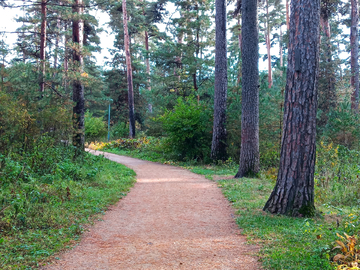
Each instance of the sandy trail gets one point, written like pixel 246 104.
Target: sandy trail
pixel 171 219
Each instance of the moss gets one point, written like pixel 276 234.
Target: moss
pixel 307 210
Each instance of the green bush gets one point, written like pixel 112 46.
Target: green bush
pixel 119 130
pixel 188 128
pixel 95 127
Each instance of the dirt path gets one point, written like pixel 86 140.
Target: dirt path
pixel 171 219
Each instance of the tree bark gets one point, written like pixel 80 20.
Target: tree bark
pixel 129 74
pixel 293 194
pixel 218 146
pixel 354 43
pixel 249 152
pixel 43 45
pixel 78 88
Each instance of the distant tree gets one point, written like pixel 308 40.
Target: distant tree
pixel 129 73
pixel 293 194
pixel 78 87
pixel 354 44
pixel 249 153
pixel 218 146
pixel 43 44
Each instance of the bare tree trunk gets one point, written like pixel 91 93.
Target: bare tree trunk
pixel 43 45
pixel 147 61
pixel 280 49
pixel 293 194
pixel 129 74
pixel 354 43
pixel 56 52
pixel 219 144
pixel 268 45
pixel 249 152
pixel 287 16
pixel 78 87
pixel 240 48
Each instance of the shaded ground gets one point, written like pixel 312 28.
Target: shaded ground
pixel 171 219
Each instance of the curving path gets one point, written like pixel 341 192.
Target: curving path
pixel 171 219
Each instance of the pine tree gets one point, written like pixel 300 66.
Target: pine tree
pixel 249 153
pixel 293 194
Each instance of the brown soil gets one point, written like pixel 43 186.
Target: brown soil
pixel 171 219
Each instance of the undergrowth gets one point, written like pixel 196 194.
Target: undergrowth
pixel 48 197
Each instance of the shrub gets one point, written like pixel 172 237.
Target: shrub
pixel 95 127
pixel 188 128
pixel 119 130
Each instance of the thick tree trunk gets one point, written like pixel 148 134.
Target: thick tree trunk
pixel 129 74
pixel 268 45
pixel 43 46
pixel 293 194
pixel 218 146
pixel 249 152
pixel 354 43
pixel 78 88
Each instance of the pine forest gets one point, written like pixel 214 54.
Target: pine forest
pixel 260 96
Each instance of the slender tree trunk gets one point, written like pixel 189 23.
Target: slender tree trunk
pixel 219 144
pixel 326 89
pixel 354 43
pixel 268 45
pixel 280 49
pixel 287 16
pixel 293 194
pixel 56 52
pixel 78 87
pixel 240 48
pixel 147 61
pixel 249 152
pixel 43 45
pixel 129 74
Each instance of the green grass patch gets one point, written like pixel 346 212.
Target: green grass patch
pixel 41 216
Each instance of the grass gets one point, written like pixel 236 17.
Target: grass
pixel 54 215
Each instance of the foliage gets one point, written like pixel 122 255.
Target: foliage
pixel 119 130
pixel 337 173
pixel 188 129
pixel 95 127
pixel 46 198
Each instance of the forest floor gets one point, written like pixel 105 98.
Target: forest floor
pixel 171 219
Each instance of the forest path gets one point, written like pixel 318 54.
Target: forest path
pixel 171 219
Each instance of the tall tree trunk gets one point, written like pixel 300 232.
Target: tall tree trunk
pixel 129 74
pixel 218 146
pixel 240 48
pixel 280 49
pixel 43 45
pixel 293 194
pixel 326 89
pixel 268 44
pixel 78 87
pixel 354 43
pixel 281 52
pixel 147 61
pixel 249 152
pixel 287 16
pixel 56 51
